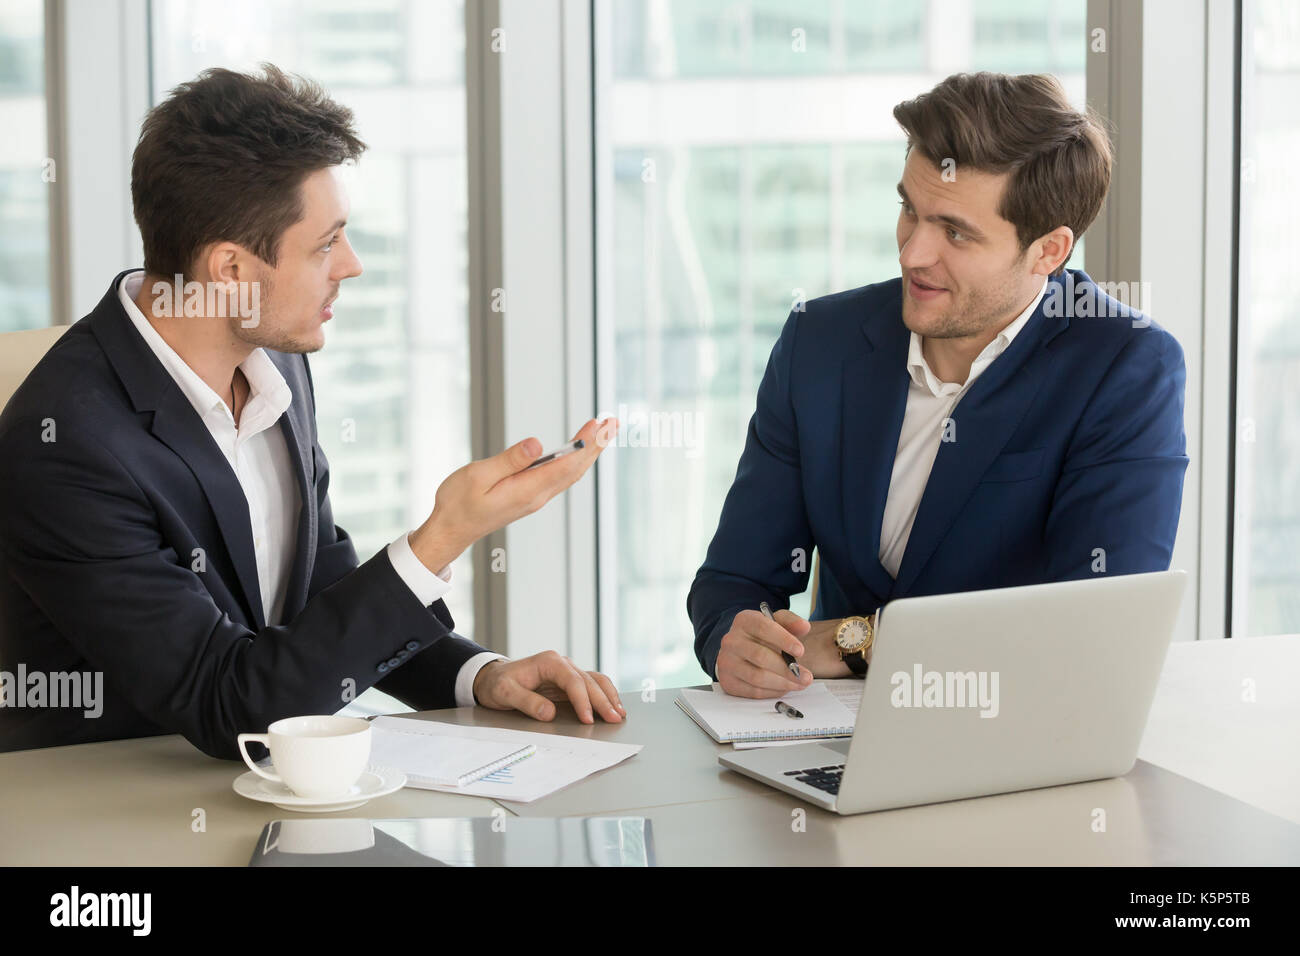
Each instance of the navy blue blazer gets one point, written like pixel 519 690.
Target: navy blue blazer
pixel 98 536
pixel 1068 461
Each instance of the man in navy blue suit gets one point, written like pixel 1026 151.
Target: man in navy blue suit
pixel 988 419
pixel 167 545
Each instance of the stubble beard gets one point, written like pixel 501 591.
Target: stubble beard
pixel 266 334
pixel 976 313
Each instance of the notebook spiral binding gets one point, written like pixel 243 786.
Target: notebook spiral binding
pixel 791 734
pixel 489 769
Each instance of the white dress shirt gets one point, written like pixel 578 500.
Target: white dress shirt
pixel 259 457
pixel 930 403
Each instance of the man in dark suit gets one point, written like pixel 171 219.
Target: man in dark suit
pixel 165 523
pixel 989 419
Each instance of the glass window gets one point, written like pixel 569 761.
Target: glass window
pixel 751 158
pixel 26 174
pixel 1266 528
pixel 392 382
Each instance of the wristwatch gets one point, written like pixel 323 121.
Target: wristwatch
pixel 853 640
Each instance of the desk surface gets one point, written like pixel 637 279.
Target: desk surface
pixel 134 801
pixel 1227 714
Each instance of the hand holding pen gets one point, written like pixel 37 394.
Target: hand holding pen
pixel 750 660
pixel 785 655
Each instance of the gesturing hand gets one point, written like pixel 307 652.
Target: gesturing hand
pixel 531 684
pixel 489 494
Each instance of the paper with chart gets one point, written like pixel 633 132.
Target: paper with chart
pixel 430 757
pixel 558 761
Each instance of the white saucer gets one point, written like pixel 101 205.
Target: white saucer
pixel 373 782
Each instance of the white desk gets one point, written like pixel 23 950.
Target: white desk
pixel 131 801
pixel 1202 727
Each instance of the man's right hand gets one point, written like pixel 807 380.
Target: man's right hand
pixel 749 659
pixel 487 495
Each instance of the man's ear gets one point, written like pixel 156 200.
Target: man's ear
pixel 226 262
pixel 1054 248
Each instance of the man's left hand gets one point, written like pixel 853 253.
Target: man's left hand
pixel 532 684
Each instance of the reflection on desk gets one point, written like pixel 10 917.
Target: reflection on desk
pixel 465 841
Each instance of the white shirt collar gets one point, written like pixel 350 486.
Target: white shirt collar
pixel 920 370
pixel 269 394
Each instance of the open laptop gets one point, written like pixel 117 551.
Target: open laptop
pixel 987 692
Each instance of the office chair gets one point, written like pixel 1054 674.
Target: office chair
pixel 19 353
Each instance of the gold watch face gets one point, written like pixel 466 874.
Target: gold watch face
pixel 852 635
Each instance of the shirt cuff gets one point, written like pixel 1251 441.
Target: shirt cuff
pixel 424 584
pixel 468 671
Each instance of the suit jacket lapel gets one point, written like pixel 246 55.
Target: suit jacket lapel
pixel 295 432
pixel 875 397
pixel 984 420
pixel 177 425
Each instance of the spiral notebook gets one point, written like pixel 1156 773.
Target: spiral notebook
pixel 439 755
pixel 727 719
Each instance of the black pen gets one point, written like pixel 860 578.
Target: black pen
pixel 783 708
pixel 789 661
pixel 559 452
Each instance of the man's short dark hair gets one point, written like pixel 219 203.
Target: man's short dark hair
pixel 1059 158
pixel 223 159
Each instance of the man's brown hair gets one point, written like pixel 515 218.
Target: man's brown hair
pixel 1059 158
pixel 223 159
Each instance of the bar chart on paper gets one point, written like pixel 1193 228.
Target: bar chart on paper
pixel 505 776
pixel 558 762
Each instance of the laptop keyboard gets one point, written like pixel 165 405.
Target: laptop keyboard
pixel 823 778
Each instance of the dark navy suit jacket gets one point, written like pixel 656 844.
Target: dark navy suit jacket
pixel 1068 460
pixel 98 536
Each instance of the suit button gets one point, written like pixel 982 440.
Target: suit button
pixel 394 661
pixel 383 668
pixel 403 653
pixel 412 645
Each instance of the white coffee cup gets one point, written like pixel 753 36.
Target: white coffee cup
pixel 316 756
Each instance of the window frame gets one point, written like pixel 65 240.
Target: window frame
pixel 534 153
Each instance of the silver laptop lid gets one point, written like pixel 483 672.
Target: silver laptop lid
pixel 991 691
